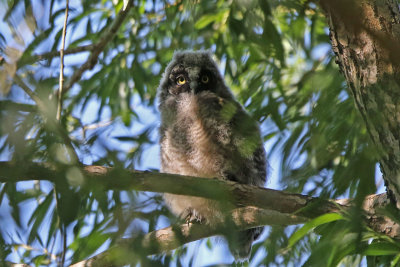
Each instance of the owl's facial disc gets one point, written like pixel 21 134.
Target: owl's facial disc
pixel 185 79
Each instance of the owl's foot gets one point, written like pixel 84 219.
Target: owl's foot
pixel 191 216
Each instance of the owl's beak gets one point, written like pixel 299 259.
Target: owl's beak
pixel 193 73
pixel 193 86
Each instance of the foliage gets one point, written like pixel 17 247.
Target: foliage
pixel 276 57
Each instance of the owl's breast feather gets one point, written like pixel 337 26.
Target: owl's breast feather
pixel 190 140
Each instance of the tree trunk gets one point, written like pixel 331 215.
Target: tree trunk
pixel 365 37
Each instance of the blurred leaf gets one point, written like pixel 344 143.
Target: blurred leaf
pixel 323 219
pixel 39 214
pixel 210 18
pixel 382 248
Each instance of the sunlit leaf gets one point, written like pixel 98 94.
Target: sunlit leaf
pixel 323 219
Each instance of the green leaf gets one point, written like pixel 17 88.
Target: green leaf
pixel 323 219
pixel 382 249
pixel 39 214
pixel 209 18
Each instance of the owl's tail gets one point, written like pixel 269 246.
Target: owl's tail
pixel 240 244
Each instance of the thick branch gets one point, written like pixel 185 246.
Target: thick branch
pixel 237 194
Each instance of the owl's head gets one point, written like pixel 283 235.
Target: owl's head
pixel 192 72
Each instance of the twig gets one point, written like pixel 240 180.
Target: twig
pixel 44 250
pixel 61 80
pixel 29 92
pixel 51 54
pixel 64 239
pixel 95 126
pixel 98 47
pixel 11 264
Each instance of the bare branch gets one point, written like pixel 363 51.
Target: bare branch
pixel 11 264
pixel 51 54
pixel 99 46
pixel 94 126
pixel 61 79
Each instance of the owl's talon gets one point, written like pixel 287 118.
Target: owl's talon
pixel 192 217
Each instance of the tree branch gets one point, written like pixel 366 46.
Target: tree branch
pixel 239 195
pixel 99 46
pixel 174 236
pixel 256 206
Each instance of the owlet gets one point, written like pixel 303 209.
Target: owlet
pixel 205 132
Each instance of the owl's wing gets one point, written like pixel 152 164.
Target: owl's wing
pixel 260 166
pixel 249 149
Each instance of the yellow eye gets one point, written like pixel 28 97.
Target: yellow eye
pixel 181 80
pixel 205 79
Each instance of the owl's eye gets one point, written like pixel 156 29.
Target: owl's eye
pixel 205 79
pixel 180 80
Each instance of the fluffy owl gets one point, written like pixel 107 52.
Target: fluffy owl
pixel 205 132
